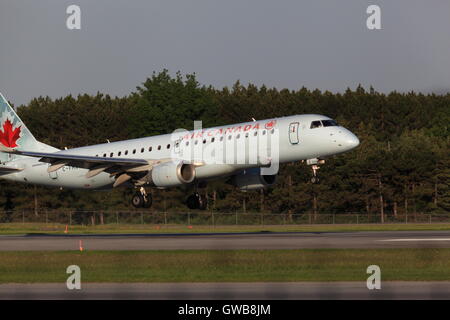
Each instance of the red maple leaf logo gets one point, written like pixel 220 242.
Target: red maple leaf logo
pixel 269 125
pixel 8 136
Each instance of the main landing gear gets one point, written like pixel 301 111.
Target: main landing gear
pixel 141 199
pixel 196 201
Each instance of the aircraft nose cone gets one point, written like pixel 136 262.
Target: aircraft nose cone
pixel 352 141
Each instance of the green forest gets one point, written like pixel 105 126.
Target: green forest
pixel 401 166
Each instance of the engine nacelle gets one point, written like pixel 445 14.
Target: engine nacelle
pixel 251 179
pixel 171 174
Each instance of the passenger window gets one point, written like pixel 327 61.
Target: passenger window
pixel 111 155
pixel 142 150
pixel 104 155
pixel 212 139
pixel 168 146
pixel 120 152
pixel 134 151
pixel 159 147
pixel 315 124
pixel 126 152
pixel 150 149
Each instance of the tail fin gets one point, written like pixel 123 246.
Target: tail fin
pixel 13 132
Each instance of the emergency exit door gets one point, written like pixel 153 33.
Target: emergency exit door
pixel 293 132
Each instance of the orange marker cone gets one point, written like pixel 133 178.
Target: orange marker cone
pixel 157 227
pixel 189 227
pixel 67 229
pixel 81 246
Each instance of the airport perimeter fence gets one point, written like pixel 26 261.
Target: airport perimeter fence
pixel 210 218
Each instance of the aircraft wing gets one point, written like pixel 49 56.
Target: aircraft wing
pixel 8 170
pixel 118 167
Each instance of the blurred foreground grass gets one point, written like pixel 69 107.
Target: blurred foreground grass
pixel 226 265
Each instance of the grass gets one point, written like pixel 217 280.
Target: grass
pixel 30 228
pixel 226 266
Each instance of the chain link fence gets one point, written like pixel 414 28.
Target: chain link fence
pixel 208 218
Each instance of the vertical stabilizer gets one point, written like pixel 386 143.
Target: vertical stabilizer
pixel 13 132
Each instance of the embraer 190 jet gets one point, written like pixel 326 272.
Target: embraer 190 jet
pixel 246 154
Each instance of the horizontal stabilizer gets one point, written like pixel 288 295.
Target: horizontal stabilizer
pixel 96 165
pixel 78 160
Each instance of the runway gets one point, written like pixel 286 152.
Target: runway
pixel 230 241
pixel 230 291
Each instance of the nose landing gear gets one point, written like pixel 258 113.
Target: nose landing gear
pixel 141 199
pixel 315 166
pixel 315 177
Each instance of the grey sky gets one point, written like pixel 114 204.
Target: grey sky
pixel 286 44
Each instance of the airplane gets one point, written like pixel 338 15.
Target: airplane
pixel 246 154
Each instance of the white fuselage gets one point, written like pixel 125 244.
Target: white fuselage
pixel 293 137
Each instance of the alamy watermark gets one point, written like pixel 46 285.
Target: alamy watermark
pixel 74 280
pixel 73 21
pixel 373 22
pixel 374 280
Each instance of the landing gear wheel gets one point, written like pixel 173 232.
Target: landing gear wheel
pixel 141 199
pixel 137 200
pixel 315 179
pixel 203 203
pixel 192 201
pixel 148 201
pixel 196 201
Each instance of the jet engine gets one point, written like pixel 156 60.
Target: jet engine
pixel 251 179
pixel 171 174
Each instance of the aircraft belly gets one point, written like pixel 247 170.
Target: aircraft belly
pixel 215 170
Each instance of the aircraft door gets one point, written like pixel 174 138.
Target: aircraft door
pixel 293 133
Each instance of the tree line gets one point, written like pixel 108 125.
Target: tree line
pixel 401 166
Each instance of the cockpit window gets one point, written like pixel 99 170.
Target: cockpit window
pixel 316 124
pixel 329 123
pixel 324 123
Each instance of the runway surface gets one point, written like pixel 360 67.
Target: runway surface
pixel 230 291
pixel 223 241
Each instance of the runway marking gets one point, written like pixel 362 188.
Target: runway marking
pixel 424 239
